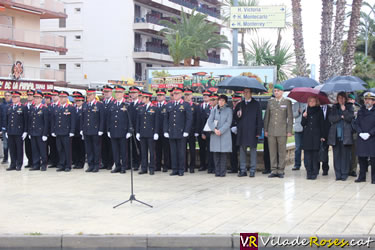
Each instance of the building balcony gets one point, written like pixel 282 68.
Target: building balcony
pixel 150 23
pixel 33 39
pixel 153 53
pixel 47 9
pixel 203 8
pixel 34 73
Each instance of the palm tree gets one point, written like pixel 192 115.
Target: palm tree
pixel 336 49
pixel 326 39
pixel 352 37
pixel 299 49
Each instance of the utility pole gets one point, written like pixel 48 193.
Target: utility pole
pixel 235 42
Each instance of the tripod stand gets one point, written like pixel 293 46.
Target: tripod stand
pixel 132 139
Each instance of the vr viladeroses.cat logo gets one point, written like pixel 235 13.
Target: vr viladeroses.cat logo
pixel 249 241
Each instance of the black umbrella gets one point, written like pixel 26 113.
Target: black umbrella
pixel 372 90
pixel 343 84
pixel 299 82
pixel 238 83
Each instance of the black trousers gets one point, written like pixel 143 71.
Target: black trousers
pixel 107 155
pixel 28 151
pixel 266 155
pixel 39 150
pixel 53 156
pixel 211 162
pixel 162 153
pixel 191 142
pixel 178 152
pixel 15 145
pixel 148 146
pixel 203 151
pixel 64 147
pixel 120 152
pixel 363 166
pixel 92 147
pixel 136 156
pixel 234 154
pixel 78 151
pixel 341 159
pixel 220 163
pixel 311 161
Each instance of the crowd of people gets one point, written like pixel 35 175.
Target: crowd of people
pixel 127 130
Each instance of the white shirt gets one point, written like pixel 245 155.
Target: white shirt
pixel 92 102
pixel 37 107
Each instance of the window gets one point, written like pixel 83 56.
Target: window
pixel 77 37
pixel 77 10
pixel 62 21
pixel 47 65
pixel 62 66
pixel 77 65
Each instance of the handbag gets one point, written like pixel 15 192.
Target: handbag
pixel 323 152
pixel 207 128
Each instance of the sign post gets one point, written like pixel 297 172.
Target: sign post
pixel 251 17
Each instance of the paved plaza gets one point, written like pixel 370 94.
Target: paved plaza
pixel 78 203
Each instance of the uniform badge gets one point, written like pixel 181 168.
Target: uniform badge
pixel 181 107
pixel 66 112
pixel 19 110
pixel 95 109
pixel 40 112
pixel 123 108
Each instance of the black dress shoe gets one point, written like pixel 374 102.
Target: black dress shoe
pixel 217 175
pixel 252 174
pixel 10 169
pixel 157 169
pixel 34 169
pixel 266 172
pixel 75 167
pixel 28 166
pixel 192 171
pixel 359 180
pixel 325 173
pixel 43 169
pixel 344 178
pixel 242 174
pixel 272 175
pixel 18 168
pixel 173 173
pixel 116 170
pixel 232 171
pixel 313 177
pixel 338 179
pixel 373 182
pixel 123 171
pixel 353 173
pixel 308 177
pixel 281 175
pixel 142 172
pixel 109 168
pixel 165 170
pixel 59 170
pixel 135 169
pixel 52 166
pixel 95 170
pixel 295 168
pixel 4 161
pixel 67 170
pixel 210 171
pixel 90 169
pixel 202 169
pixel 152 172
pixel 180 174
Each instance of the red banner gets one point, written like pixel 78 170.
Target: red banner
pixel 24 85
pixel 166 86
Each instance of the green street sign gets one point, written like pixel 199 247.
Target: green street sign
pixel 249 17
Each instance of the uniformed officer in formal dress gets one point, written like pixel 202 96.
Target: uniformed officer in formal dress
pixel 38 132
pixel 147 132
pixel 47 99
pixel 162 144
pixel 204 145
pixel 92 127
pixel 119 130
pixel 78 144
pixel 16 130
pixel 53 157
pixel 133 109
pixel 193 134
pixel 177 125
pixel 207 135
pixel 278 126
pixel 63 127
pixel 29 105
pixel 107 156
pixel 234 155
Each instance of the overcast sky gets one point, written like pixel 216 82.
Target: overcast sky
pixel 311 18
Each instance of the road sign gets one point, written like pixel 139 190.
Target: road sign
pixel 249 17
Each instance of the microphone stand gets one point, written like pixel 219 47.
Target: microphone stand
pixel 132 139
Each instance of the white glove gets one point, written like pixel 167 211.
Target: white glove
pixel 71 134
pixel 24 136
pixel 196 134
pixel 6 135
pixel 128 135
pixel 83 137
pixel 234 130
pixel 44 138
pixel 138 136
pixel 53 134
pixel 364 136
pixel 81 132
pixel 109 134
pixel 156 137
pixel 166 135
pixel 185 134
pixel 30 137
pixel 100 133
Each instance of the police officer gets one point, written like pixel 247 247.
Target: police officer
pixel 119 130
pixel 162 145
pixel 63 127
pixel 38 132
pixel 78 145
pixel 211 164
pixel 47 99
pixel 234 155
pixel 29 105
pixel 16 130
pixel 147 128
pixel 204 145
pixel 107 156
pixel 53 157
pixel 133 110
pixel 191 140
pixel 177 125
pixel 92 126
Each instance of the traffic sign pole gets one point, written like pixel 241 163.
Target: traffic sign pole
pixel 235 42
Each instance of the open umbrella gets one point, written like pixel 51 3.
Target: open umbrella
pixel 343 84
pixel 240 83
pixel 302 95
pixel 372 90
pixel 298 82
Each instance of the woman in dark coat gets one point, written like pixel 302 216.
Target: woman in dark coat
pixel 340 135
pixel 313 126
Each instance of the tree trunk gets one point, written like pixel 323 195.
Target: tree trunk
pixel 197 60
pixel 278 43
pixel 326 40
pixel 187 62
pixel 299 50
pixel 336 51
pixel 243 47
pixel 352 37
